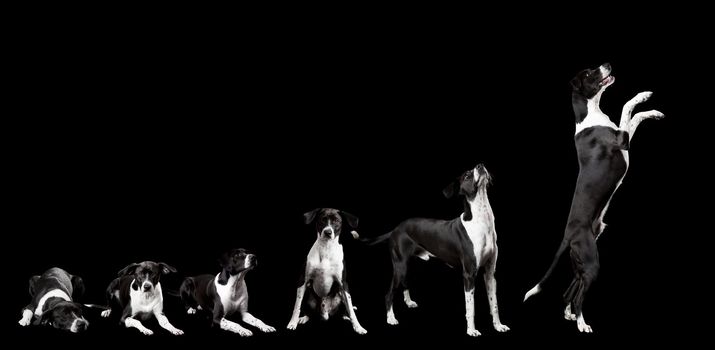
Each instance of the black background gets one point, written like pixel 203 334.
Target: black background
pixel 176 145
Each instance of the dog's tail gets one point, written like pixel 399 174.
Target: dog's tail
pixel 537 287
pixel 172 292
pixel 97 306
pixel 371 241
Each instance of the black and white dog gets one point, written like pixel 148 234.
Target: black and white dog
pixel 469 242
pixel 52 302
pixel 224 293
pixel 137 291
pixel 602 149
pixel 324 281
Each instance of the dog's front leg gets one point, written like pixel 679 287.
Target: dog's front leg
pixel 469 304
pixel 629 106
pixel 351 311
pixel 164 323
pixel 26 316
pixel 248 318
pixel 130 322
pixel 641 116
pixel 293 324
pixel 491 283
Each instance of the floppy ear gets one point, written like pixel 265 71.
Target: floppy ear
pixel 223 277
pixel 77 288
pixel 449 190
pixel 44 318
pixel 165 268
pixel 310 216
pixel 127 270
pixel 350 218
pixel 576 83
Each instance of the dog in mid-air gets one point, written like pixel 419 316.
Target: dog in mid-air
pixel 602 150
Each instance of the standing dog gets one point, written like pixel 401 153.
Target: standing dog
pixel 137 291
pixel 469 241
pixel 602 149
pixel 224 293
pixel 324 281
pixel 52 303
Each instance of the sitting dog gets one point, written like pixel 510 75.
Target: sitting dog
pixel 602 149
pixel 224 293
pixel 52 303
pixel 324 283
pixel 469 241
pixel 137 291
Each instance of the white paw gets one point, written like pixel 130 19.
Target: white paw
pixel 642 97
pixel 391 320
pixel 501 328
pixel 146 331
pixel 411 304
pixel 191 311
pixel 584 328
pixel 303 320
pixel 106 313
pixel 292 325
pixel 244 332
pixel 358 329
pixel 346 318
pixel 24 322
pixel 473 333
pixel 176 331
pixel 570 317
pixel 267 329
pixel 657 115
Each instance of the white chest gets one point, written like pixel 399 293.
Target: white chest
pixel 326 257
pixel 54 293
pixel 232 295
pixel 144 302
pixel 481 229
pixel 595 119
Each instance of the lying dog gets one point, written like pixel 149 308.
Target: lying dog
pixel 137 291
pixel 52 303
pixel 469 241
pixel 324 283
pixel 224 293
pixel 602 149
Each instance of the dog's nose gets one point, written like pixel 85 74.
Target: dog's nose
pixel 146 287
pixel 607 66
pixel 81 325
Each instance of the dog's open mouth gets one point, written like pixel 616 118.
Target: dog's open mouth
pixel 605 81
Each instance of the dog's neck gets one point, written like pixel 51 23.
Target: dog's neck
pixel 583 108
pixel 478 205
pixel 234 284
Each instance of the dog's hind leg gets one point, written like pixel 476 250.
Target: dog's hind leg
pixel 400 252
pixel 585 258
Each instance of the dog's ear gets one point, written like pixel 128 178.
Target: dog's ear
pixel 166 268
pixel 77 288
pixel 576 83
pixel 33 280
pixel 450 189
pixel 467 210
pixel 310 216
pixel 223 277
pixel 350 218
pixel 129 270
pixel 44 318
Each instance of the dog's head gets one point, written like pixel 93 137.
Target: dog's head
pixel 66 315
pixel 234 262
pixel 329 222
pixel 469 183
pixel 590 82
pixel 146 274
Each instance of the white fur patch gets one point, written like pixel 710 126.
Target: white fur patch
pixel 235 328
pixel 26 317
pixel 391 317
pixel 54 293
pixel 146 302
pixel 408 300
pixel 231 299
pixel 581 324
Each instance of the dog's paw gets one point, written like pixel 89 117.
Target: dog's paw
pixel 244 332
pixel 501 328
pixel 642 97
pixel 411 304
pixel 24 322
pixel 26 318
pixel 473 333
pixel 106 313
pixel 303 320
pixel 583 327
pixel 652 114
pixel 191 311
pixel 292 325
pixel 570 317
pixel 267 329
pixel 146 331
pixel 359 330
pixel 176 331
pixel 391 320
